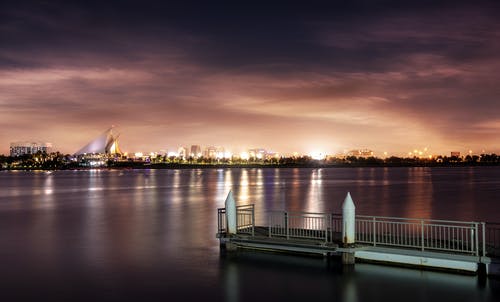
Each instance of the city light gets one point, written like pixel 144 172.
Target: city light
pixel 317 155
pixel 244 155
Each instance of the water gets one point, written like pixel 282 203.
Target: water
pixel 129 235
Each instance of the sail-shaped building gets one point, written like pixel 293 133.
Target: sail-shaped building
pixel 99 151
pixel 106 143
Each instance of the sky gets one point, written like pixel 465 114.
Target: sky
pixel 391 76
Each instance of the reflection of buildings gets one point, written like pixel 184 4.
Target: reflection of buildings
pixel 98 151
pixel 23 148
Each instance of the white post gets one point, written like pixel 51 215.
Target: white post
pixel 348 221
pixel 230 205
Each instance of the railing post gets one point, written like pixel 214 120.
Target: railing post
pixel 218 221
pixel 327 223
pixel 476 226
pixel 330 223
pixel 270 224
pixel 422 230
pixel 253 220
pixel 286 226
pixel 483 226
pixel 374 232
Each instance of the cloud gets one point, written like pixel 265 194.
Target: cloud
pixel 351 75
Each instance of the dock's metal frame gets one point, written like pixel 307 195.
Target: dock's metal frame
pixel 325 229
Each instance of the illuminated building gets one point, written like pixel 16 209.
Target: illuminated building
pixel 455 153
pixel 220 152
pixel 23 148
pixel 258 153
pixel 360 153
pixel 182 152
pixel 98 151
pixel 106 144
pixel 195 151
pixel 210 152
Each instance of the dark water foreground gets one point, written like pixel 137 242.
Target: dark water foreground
pixel 150 234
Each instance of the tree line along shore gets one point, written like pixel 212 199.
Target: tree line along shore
pixel 58 161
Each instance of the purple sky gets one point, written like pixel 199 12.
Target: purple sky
pixel 383 75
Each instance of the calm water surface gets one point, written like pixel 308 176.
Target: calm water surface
pixel 150 234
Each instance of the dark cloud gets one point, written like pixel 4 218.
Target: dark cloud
pixel 382 74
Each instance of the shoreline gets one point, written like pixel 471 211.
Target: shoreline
pixel 176 166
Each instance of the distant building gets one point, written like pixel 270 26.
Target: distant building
pixel 258 153
pixel 104 144
pixel 272 155
pixel 99 150
pixel 455 153
pixel 23 148
pixel 210 152
pixel 195 151
pixel 220 152
pixel 360 153
pixel 182 152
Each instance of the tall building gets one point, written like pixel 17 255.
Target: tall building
pixel 182 152
pixel 23 148
pixel 195 151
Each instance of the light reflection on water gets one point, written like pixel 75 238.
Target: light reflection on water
pixel 108 231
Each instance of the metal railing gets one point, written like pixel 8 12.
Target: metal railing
pixel 492 240
pixel 471 238
pixel 245 220
pixel 304 225
pixel 221 220
pixel 424 234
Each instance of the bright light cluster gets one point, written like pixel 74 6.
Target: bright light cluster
pixel 420 153
pixel 317 155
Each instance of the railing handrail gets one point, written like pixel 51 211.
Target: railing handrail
pixel 419 219
pixel 382 217
pixel 297 212
pixel 246 206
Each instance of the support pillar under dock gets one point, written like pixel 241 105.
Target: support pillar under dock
pixel 348 258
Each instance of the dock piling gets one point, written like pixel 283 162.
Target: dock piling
pixel 231 214
pixel 348 228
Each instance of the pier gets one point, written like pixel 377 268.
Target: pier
pixel 463 246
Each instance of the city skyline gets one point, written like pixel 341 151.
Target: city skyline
pixel 386 76
pixel 417 151
pixel 107 143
